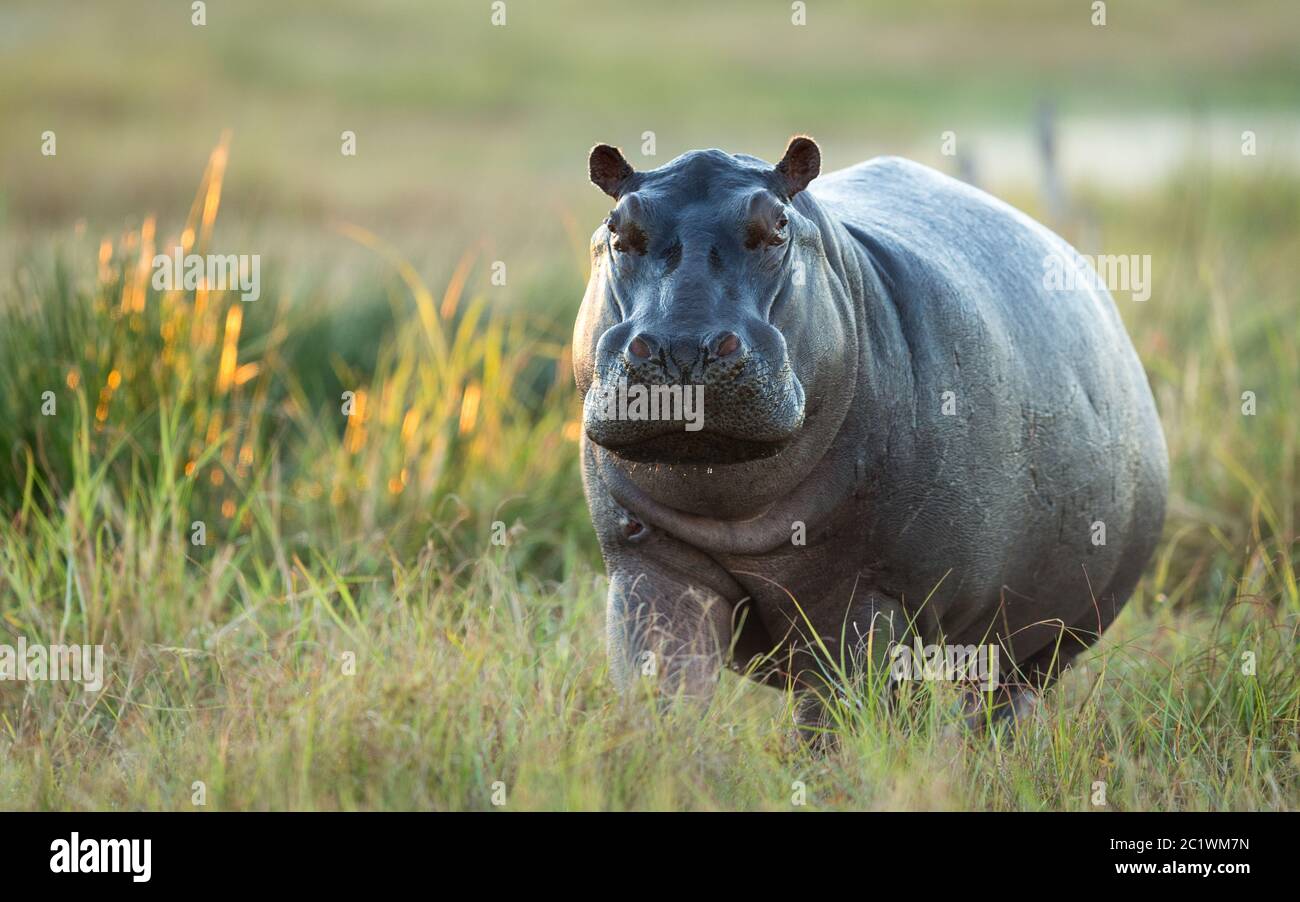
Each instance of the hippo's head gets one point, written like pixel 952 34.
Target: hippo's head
pixel 710 314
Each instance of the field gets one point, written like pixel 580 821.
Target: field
pixel 348 635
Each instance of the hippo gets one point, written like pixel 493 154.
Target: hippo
pixel 904 430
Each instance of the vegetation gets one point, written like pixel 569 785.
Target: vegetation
pixel 349 636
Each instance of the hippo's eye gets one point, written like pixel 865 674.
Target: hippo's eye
pixel 764 232
pixel 778 232
pixel 631 239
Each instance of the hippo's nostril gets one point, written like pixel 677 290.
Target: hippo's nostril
pixel 726 344
pixel 639 348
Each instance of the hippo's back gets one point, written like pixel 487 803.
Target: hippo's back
pixel 1016 459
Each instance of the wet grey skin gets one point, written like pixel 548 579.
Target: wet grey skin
pixel 887 378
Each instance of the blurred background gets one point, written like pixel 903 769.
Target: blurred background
pixel 469 132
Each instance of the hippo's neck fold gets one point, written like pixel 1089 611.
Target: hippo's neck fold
pixel 813 501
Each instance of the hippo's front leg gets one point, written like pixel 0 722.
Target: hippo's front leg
pixel 858 629
pixel 666 628
pixel 669 617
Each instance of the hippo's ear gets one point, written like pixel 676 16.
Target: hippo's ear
pixel 609 171
pixel 800 165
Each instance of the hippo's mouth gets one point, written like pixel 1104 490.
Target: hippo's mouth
pixel 724 424
pixel 696 448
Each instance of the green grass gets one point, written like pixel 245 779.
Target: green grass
pixel 350 637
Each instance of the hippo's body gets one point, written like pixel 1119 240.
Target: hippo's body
pixel 974 458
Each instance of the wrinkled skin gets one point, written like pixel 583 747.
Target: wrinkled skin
pixel 828 327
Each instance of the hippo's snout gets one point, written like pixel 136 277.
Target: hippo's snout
pixel 710 396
